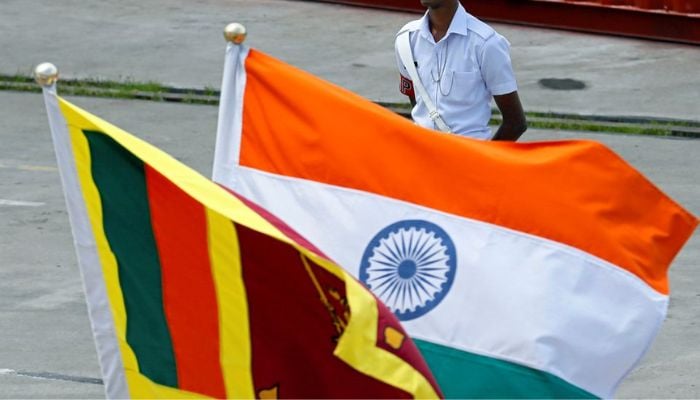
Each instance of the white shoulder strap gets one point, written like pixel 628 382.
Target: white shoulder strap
pixel 403 45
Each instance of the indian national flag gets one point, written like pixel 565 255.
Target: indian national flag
pixel 520 270
pixel 193 292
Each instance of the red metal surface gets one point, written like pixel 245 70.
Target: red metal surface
pixel 670 20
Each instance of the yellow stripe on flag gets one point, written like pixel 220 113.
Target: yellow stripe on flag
pixel 147 389
pixel 358 344
pixel 234 329
pixel 110 271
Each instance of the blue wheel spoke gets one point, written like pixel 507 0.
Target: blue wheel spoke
pixel 384 276
pixel 388 257
pixel 388 264
pixel 379 284
pixel 419 250
pixel 422 280
pixel 414 289
pixel 411 245
pixel 431 275
pixel 382 269
pixel 443 267
pixel 404 290
pixel 430 247
pixel 403 244
pixel 433 261
pixel 396 287
pixel 418 284
pixel 424 257
pixel 395 250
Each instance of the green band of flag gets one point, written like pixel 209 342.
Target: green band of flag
pixel 120 180
pixel 463 372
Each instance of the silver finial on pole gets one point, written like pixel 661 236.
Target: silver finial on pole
pixel 45 74
pixel 235 33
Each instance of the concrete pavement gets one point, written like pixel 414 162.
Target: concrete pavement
pixel 46 348
pixel 180 43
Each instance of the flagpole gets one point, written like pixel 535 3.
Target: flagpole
pixel 231 102
pixel 101 320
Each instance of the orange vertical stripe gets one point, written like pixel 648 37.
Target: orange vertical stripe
pixel 577 193
pixel 189 297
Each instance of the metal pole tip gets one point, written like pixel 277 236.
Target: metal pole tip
pixel 235 33
pixel 45 74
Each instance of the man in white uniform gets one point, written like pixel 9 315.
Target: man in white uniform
pixel 462 63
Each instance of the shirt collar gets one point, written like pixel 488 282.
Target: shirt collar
pixel 457 26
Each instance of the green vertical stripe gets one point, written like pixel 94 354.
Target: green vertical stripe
pixel 466 375
pixel 121 182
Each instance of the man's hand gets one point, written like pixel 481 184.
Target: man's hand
pixel 514 123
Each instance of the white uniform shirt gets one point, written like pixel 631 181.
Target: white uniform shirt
pixel 461 73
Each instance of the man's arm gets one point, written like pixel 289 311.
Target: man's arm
pixel 514 123
pixel 406 88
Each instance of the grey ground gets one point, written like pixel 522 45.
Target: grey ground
pixel 44 328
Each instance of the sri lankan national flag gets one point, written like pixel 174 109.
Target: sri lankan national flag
pixel 194 292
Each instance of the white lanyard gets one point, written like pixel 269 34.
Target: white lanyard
pixel 406 54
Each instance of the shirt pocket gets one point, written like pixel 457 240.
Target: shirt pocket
pixel 467 88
